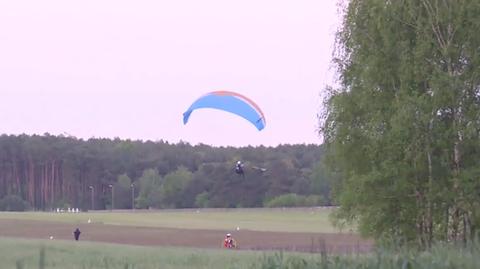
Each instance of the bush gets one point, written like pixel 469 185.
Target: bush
pixel 295 200
pixel 314 200
pixel 13 203
pixel 201 200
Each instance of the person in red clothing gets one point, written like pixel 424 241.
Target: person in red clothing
pixel 229 242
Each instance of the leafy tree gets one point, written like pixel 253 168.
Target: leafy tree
pixel 173 187
pixel 201 200
pixel 321 181
pixel 122 190
pixel 402 127
pixel 150 185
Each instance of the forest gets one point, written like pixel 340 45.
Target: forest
pixel 45 172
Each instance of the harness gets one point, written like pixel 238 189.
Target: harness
pixel 229 243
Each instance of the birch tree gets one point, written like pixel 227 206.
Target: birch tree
pixel 402 127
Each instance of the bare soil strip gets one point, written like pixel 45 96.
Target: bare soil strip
pixel 146 236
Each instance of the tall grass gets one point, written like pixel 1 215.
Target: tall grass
pixel 43 254
pixel 46 254
pixel 439 257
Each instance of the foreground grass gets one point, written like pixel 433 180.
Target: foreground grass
pixel 440 257
pixel 21 253
pixel 290 220
pixel 41 254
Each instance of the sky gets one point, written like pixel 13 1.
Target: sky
pixel 129 69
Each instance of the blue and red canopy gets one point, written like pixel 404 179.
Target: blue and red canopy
pixel 231 102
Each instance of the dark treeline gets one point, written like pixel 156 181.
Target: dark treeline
pixel 46 172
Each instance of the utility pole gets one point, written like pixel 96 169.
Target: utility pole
pixel 133 195
pixel 113 197
pixel 92 190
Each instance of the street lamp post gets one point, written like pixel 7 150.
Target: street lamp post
pixel 113 196
pixel 92 190
pixel 133 195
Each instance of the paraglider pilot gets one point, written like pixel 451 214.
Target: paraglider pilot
pixel 229 242
pixel 76 234
pixel 239 168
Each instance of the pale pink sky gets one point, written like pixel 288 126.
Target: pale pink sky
pixel 129 69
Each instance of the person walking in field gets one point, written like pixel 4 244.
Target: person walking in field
pixel 76 234
pixel 229 242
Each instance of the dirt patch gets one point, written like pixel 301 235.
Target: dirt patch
pixel 146 236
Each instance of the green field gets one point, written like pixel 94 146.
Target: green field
pixel 278 220
pixel 33 254
pixel 21 253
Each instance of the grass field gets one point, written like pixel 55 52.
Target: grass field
pixel 314 220
pixel 164 229
pixel 300 229
pixel 41 254
pixel 21 253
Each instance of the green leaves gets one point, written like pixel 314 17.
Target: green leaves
pixel 402 127
pixel 173 187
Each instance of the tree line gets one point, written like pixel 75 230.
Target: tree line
pixel 402 128
pixel 47 172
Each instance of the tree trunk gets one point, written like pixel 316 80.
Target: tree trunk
pixel 429 217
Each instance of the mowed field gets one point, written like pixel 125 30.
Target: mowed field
pixel 305 230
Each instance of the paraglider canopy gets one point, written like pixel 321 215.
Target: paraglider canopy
pixel 231 102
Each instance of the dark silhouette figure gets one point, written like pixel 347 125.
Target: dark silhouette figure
pixel 77 233
pixel 239 168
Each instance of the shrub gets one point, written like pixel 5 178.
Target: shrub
pixel 201 200
pixel 295 200
pixel 13 203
